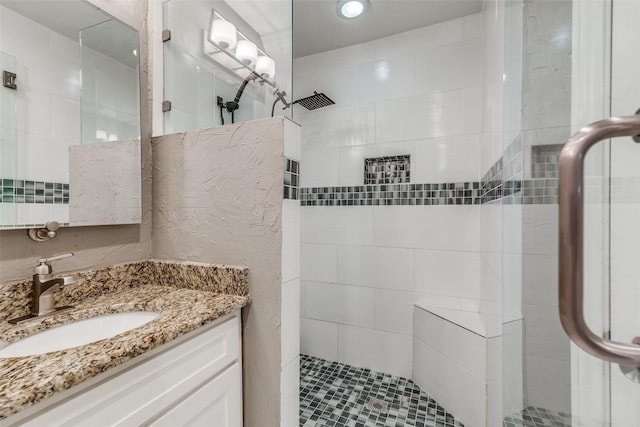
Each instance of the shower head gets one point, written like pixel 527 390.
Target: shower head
pixel 315 101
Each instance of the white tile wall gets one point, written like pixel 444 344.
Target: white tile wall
pixel 290 394
pixel 512 279
pixel 350 305
pixel 448 159
pixel 393 311
pixel 446 302
pixel 544 334
pixel 547 351
pixel 338 125
pixel 319 262
pixel 436 227
pixel 380 267
pixel 446 67
pixel 290 240
pixel 461 345
pixel 458 367
pixel 323 170
pixel 439 273
pixel 495 380
pixel 548 382
pixel 291 293
pixel 319 338
pixel 387 78
pixel 346 225
pixel 512 368
pixel 290 320
pixel 362 347
pixel 432 115
pixel 415 93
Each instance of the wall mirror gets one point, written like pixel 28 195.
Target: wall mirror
pixel 69 116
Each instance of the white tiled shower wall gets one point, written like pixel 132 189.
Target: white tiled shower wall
pixel 290 315
pixel 363 268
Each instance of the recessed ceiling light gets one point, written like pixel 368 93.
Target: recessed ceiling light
pixel 350 9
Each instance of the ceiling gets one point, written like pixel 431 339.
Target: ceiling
pixel 317 28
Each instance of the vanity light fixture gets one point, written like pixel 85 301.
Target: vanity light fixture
pixel 239 53
pixel 223 33
pixel 247 52
pixel 265 67
pixel 350 9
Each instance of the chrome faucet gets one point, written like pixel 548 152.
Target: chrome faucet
pixel 44 284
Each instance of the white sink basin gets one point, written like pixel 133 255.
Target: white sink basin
pixel 78 333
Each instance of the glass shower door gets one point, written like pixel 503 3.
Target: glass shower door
pixel 625 207
pixel 579 63
pixel 601 394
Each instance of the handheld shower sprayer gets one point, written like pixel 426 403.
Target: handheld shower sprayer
pixel 232 106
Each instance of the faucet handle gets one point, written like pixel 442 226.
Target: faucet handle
pixel 44 267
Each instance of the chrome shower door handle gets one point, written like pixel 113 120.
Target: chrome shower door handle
pixel 571 249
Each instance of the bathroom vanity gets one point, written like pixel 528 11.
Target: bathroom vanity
pixel 185 365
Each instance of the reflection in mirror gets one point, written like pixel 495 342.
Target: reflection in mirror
pixel 69 116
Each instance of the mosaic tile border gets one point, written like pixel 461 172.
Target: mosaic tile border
pixel 291 179
pixel 528 192
pixel 545 160
pixel 24 191
pixel 502 182
pixel 387 170
pixel 453 193
pixel 334 394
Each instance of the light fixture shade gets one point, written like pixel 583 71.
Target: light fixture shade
pixel 247 52
pixel 223 33
pixel 265 67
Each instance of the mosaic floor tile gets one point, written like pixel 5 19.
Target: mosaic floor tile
pixel 537 417
pixel 333 394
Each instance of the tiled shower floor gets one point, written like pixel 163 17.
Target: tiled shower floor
pixel 335 394
pixel 538 417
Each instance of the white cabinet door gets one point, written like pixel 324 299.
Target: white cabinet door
pixel 217 403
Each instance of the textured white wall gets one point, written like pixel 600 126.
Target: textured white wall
pixel 218 197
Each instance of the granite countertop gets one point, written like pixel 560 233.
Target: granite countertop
pixel 25 381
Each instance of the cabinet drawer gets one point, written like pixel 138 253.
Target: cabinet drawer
pixel 142 392
pixel 217 403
